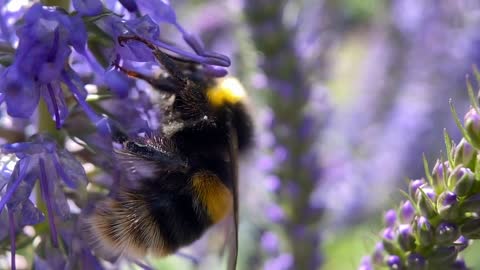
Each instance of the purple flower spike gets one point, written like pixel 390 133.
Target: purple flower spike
pixel 88 7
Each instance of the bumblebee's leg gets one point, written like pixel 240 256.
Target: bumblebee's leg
pixel 166 60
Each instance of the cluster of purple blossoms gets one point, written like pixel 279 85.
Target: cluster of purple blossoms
pixel 44 189
pixel 441 215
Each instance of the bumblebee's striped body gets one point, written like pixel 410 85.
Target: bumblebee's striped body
pixel 181 180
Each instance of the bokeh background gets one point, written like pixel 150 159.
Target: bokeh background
pixel 347 96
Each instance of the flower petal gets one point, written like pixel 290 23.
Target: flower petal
pixel 56 105
pixel 88 7
pixel 21 96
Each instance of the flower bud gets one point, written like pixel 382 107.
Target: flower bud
pixel 416 261
pixel 471 204
pixel 387 240
pixel 442 256
pixel 471 229
pixel 394 262
pixel 465 154
pixel 379 254
pixel 425 202
pixel 405 238
pixel 446 233
pixel 407 212
pixel 413 187
pixel 390 218
pixel 447 205
pixel 465 184
pixel 472 126
pixel 439 173
pixel 366 264
pixel 461 243
pixel 424 231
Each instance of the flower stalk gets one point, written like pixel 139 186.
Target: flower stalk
pixel 446 207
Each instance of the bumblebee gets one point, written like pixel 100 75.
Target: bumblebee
pixel 183 179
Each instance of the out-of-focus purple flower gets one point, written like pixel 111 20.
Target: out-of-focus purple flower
pixel 88 7
pixel 41 159
pixel 270 242
pixel 282 262
pixel 407 212
pixel 275 213
pixel 390 218
pixel 379 254
pixel 394 262
pixel 366 264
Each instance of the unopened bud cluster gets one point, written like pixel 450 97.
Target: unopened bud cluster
pixel 441 214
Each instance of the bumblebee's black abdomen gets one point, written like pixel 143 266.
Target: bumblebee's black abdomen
pixel 163 214
pixel 178 222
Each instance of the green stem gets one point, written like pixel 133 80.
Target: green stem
pixel 65 4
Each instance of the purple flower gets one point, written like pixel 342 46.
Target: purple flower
pixel 366 264
pixel 40 65
pixel 88 7
pixel 270 242
pixel 282 262
pixel 41 159
pixel 149 30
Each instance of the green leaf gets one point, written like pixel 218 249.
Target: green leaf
pixel 428 174
pixel 449 147
pixel 471 94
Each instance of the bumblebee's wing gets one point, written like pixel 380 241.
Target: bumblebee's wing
pixel 233 241
pixel 145 157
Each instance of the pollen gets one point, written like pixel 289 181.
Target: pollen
pixel 227 91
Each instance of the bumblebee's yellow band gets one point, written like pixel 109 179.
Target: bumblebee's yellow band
pixel 226 91
pixel 213 194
